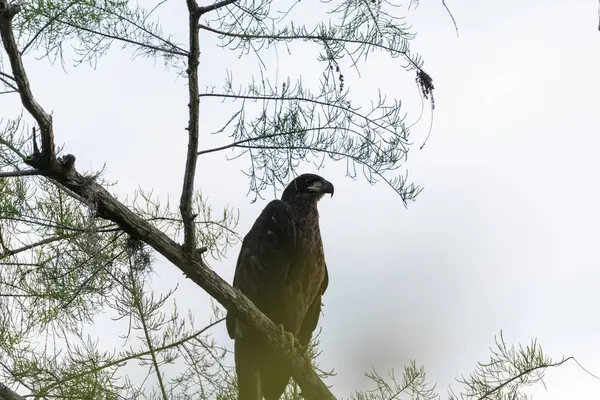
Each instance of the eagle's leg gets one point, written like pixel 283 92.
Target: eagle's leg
pixel 291 341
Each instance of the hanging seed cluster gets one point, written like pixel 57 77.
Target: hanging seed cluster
pixel 426 85
pixel 340 75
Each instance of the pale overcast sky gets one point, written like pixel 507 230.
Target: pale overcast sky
pixel 502 238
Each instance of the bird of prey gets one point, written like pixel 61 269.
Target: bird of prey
pixel 281 269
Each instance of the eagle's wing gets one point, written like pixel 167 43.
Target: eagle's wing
pixel 312 315
pixel 265 257
pixel 260 272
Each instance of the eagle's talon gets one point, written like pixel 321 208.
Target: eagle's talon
pixel 286 336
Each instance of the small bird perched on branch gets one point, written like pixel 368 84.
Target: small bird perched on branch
pixel 281 268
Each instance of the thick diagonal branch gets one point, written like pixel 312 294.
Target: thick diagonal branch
pixel 187 192
pixel 108 207
pixel 195 269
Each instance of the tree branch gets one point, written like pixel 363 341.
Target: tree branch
pixel 335 154
pixel 520 375
pixel 340 106
pixel 451 16
pixel 306 36
pixel 187 192
pixel 137 295
pixel 240 142
pixel 8 83
pixel 11 174
pixel 213 7
pixel 44 120
pixel 7 394
pixel 50 21
pixel 173 46
pixel 49 240
pixel 174 51
pixel 7 76
pixel 108 207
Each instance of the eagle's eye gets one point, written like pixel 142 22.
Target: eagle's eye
pixel 310 181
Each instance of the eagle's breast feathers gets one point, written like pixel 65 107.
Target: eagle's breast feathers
pixel 281 266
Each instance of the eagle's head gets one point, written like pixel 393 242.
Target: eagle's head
pixel 307 187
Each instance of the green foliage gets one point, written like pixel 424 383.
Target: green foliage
pixel 216 232
pixel 412 385
pixel 90 28
pixel 509 370
pixel 61 268
pixel 294 122
pixel 508 373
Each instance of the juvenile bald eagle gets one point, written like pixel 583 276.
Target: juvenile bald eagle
pixel 281 268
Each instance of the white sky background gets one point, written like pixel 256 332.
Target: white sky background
pixel 503 237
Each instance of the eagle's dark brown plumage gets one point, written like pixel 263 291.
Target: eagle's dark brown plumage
pixel 281 268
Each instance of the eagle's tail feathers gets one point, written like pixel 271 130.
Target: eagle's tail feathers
pixel 247 369
pixel 275 375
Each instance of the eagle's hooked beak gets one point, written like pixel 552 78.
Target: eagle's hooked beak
pixel 322 187
pixel 328 187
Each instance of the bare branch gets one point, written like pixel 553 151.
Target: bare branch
pixel 7 76
pixel 43 119
pixel 185 203
pixel 240 142
pixel 52 239
pixel 451 16
pixel 216 6
pixel 50 224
